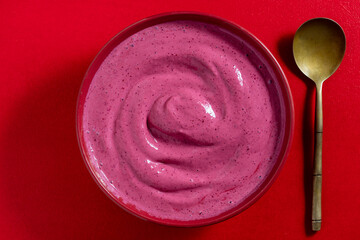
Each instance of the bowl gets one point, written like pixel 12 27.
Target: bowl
pixel 287 109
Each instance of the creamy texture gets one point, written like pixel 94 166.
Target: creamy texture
pixel 183 120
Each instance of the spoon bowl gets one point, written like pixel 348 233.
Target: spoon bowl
pixel 319 47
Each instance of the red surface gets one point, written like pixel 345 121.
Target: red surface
pixel 46 191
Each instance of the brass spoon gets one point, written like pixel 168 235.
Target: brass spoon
pixel 318 47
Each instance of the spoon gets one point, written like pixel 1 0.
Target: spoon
pixel 318 47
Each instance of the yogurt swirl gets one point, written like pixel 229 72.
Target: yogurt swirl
pixel 182 120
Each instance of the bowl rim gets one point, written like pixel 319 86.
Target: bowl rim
pixel 249 38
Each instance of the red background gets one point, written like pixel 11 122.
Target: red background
pixel 45 189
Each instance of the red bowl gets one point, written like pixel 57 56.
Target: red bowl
pixel 247 37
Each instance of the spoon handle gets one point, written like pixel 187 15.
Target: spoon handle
pixel 317 174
